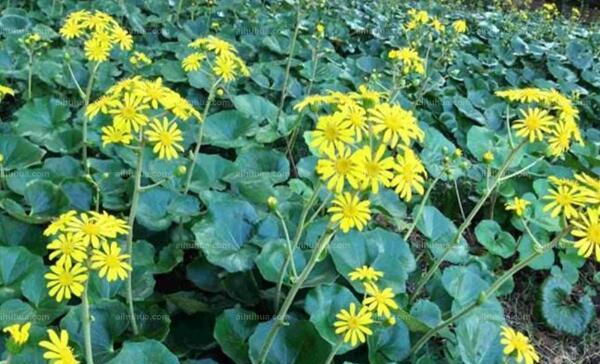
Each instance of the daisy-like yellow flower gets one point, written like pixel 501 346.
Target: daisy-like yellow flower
pixel 411 61
pixel 193 62
pixel 152 92
pixel 129 113
pixel 214 44
pixel 365 273
pixel 460 26
pixel 71 29
pixel 376 168
pixel 103 104
pixel 350 211
pixel 534 124
pixel 112 134
pixel 517 345
pixel 97 21
pixel 166 138
pixel 396 125
pixel 339 168
pixel 4 90
pixel 378 300
pixel 65 281
pixel 410 174
pixel 68 248
pixel 559 139
pixel 518 205
pixel 58 350
pixel 111 225
pixel 354 325
pixel 110 262
pixel 356 116
pixel 121 37
pixel 19 334
pixel 590 188
pixel 587 229
pixel 331 132
pixel 96 50
pixel 60 223
pixel 564 199
pixel 87 229
pixel 225 67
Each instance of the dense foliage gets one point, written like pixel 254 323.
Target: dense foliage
pixel 291 182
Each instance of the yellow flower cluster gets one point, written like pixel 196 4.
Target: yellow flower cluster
pixel 364 144
pixel 409 58
pixel 220 55
pixel 81 240
pixel 517 345
pixel 550 11
pixel 19 334
pixel 460 26
pixel 58 350
pixel 101 33
pixel 518 205
pixel 578 200
pixel 136 106
pixel 555 122
pixel 416 19
pixel 139 59
pixel 355 326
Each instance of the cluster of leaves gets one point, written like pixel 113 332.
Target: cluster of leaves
pixel 208 264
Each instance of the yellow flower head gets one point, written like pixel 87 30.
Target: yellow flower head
pixel 338 168
pixel 378 300
pixel 97 50
pixel 460 26
pixel 350 211
pixel 411 175
pixel 534 124
pixel 565 199
pixel 58 350
pixel 376 169
pixel 166 138
pixel 112 134
pixel 193 62
pixel 68 248
pixel 411 61
pixel 365 273
pixel 354 325
pixel 65 281
pixel 140 58
pixel 518 205
pixel 395 125
pixel 60 223
pixel 332 133
pixel 517 344
pixel 18 333
pixel 110 262
pixel 225 67
pixel 587 229
pixel 129 113
pixel 590 188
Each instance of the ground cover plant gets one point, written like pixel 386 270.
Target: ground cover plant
pixel 299 182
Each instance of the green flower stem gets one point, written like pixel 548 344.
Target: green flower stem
pixel 333 352
pixel 467 221
pixel 288 67
pixel 2 175
pixel 86 102
pixel 209 100
pixel 289 299
pixel 132 213
pixel 87 327
pixel 422 206
pixel 30 74
pixel 289 243
pixel 299 231
pixel 489 292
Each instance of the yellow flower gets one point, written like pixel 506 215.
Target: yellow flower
pixel 71 29
pixel 331 133
pixel 139 57
pixel 355 116
pixel 354 326
pixel 350 211
pixel 365 273
pixel 68 248
pixel 559 140
pixel 98 21
pixel 380 300
pixel 18 333
pixel 58 350
pixel 112 134
pixel 410 175
pixel 437 25
pixel 410 60
pixel 590 188
pixel 96 50
pixel 152 92
pixel 225 67
pixel 535 123
pixel 214 44
pixel 66 280
pixel 518 205
pixel 375 168
pixel 320 30
pixel 88 229
pixel 101 105
pixel 129 113
pixel 459 26
pixel 193 62
pixel 110 262
pixel 587 229
pixel 517 344
pixel 111 225
pixel 122 38
pixel 396 124
pixel 60 223
pixel 166 138
pixel 564 199
pixel 488 157
pixel 338 168
pixel 4 90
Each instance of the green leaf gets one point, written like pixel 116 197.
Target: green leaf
pixel 19 153
pixel 229 129
pixel 466 108
pixel 464 284
pixel 209 172
pixel 144 352
pixel 255 107
pixel 579 55
pixel 15 263
pixel 389 344
pixel 479 341
pixel 232 330
pixel 440 231
pixel 153 208
pixel 562 311
pixel 427 312
pixel 45 198
pixel 44 119
pixel 490 234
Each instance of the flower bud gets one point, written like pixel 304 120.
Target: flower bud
pixel 1 158
pixel 272 202
pixel 488 157
pixel 181 170
pixel 220 92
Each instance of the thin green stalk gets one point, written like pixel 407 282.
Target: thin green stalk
pixel 209 100
pixel 288 243
pixel 2 175
pixel 333 352
pixel 289 299
pixel 422 207
pixel 489 292
pixel 467 221
pixel 30 75
pixel 289 64
pixel 86 102
pixel 132 213
pixel 7 360
pixel 87 327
